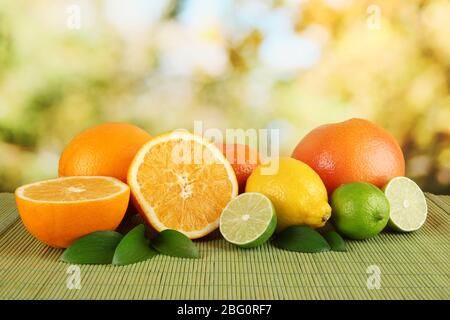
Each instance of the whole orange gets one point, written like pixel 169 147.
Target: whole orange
pixel 349 151
pixel 104 150
pixel 243 159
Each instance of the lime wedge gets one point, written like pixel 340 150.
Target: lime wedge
pixel 248 220
pixel 408 205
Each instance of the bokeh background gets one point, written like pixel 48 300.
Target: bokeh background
pixel 161 64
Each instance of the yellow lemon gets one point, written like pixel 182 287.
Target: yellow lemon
pixel 296 191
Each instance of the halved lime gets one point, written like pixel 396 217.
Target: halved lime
pixel 408 205
pixel 248 220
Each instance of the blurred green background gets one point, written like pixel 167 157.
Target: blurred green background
pixel 161 64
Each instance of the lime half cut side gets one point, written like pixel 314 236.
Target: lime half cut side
pixel 248 220
pixel 408 205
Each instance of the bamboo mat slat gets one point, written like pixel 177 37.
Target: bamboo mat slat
pixel 8 211
pixel 413 266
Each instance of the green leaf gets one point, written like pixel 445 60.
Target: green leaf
pixel 133 248
pixel 328 227
pixel 335 241
pixel 95 248
pixel 301 239
pixel 175 244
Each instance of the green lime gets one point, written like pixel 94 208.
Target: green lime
pixel 408 204
pixel 359 210
pixel 248 220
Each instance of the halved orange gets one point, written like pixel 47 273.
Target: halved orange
pixel 57 212
pixel 182 181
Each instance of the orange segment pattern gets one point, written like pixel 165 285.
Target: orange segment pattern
pixel 74 189
pixel 185 184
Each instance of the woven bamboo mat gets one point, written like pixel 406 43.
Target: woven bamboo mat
pixel 412 266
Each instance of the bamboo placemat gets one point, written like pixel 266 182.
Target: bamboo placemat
pixel 412 266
